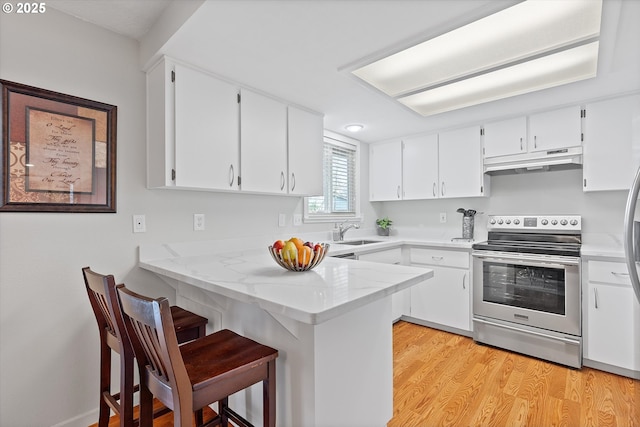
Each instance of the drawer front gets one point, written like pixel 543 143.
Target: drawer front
pixel 609 272
pixel 389 256
pixel 441 257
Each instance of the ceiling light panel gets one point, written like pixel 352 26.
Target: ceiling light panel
pixel 549 71
pixel 530 28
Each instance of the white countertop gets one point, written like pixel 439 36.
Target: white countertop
pixel 338 248
pixel 334 287
pixel 602 245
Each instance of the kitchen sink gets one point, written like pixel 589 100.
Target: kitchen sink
pixel 359 242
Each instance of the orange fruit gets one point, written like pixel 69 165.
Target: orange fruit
pixel 296 241
pixel 304 256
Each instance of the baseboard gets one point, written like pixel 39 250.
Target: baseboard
pixel 82 420
pixel 611 368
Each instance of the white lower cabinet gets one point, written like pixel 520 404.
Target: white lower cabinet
pixel 399 300
pixel 611 325
pixel 444 299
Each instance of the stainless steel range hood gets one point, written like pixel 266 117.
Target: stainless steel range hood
pixel 567 158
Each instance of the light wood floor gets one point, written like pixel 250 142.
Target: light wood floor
pixel 443 379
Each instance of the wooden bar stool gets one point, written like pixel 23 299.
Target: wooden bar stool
pixel 113 336
pixel 188 377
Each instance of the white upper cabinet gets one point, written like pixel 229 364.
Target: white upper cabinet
pixel 436 166
pixel 206 131
pixel 192 129
pixel 420 167
pixel 305 152
pixel 506 137
pixel 611 147
pixel 385 171
pixel 263 148
pixel 460 155
pixel 555 129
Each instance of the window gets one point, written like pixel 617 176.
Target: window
pixel 340 190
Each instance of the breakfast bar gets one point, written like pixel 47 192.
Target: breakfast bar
pixel 332 325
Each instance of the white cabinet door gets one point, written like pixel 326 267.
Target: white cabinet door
pixel 385 171
pixel 461 172
pixel 305 144
pixel 206 131
pixel 263 143
pixel 399 300
pixel 612 326
pixel 611 151
pixel 443 299
pixel 420 167
pixel 555 129
pixel 160 126
pixel 505 137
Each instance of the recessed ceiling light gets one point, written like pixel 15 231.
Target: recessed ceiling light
pixel 507 40
pixel 354 128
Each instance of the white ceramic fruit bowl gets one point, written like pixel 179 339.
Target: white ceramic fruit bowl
pixel 294 265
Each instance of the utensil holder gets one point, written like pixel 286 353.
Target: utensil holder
pixel 467 227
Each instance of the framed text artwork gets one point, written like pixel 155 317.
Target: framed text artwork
pixel 58 152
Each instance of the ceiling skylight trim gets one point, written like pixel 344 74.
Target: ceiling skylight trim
pixel 564 67
pixel 530 30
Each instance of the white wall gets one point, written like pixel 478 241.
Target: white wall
pixel 558 192
pixel 48 336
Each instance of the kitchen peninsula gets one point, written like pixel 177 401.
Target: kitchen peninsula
pixel 332 325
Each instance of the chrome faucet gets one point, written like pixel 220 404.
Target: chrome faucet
pixel 342 229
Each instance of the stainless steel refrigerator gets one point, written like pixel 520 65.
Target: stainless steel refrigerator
pixel 632 235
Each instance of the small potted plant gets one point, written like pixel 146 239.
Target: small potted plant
pixel 383 225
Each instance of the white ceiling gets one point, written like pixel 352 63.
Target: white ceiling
pixel 301 51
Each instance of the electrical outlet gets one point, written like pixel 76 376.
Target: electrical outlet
pixel 297 219
pixel 139 224
pixel 198 222
pixel 282 220
pixel 443 217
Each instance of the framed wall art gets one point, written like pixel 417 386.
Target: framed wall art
pixel 58 152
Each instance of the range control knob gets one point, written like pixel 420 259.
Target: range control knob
pixel 500 221
pixel 492 221
pixel 508 221
pixel 573 222
pixel 554 222
pixel 544 222
pixel 516 221
pixel 563 222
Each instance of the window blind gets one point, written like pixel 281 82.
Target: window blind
pixel 339 181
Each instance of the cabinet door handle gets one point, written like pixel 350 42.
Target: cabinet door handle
pixel 232 175
pixel 615 273
pixel 398 192
pixel 535 141
pixel 293 179
pixel 281 181
pixel 434 189
pixel 521 148
pixel 464 278
pixel 442 191
pixel 595 297
pixel 437 258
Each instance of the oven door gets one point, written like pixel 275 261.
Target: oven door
pixel 535 290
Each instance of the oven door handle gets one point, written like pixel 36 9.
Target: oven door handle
pixel 548 261
pixel 540 334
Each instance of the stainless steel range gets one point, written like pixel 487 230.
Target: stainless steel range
pixel 526 286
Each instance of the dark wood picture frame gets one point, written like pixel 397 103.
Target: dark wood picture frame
pixel 58 152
